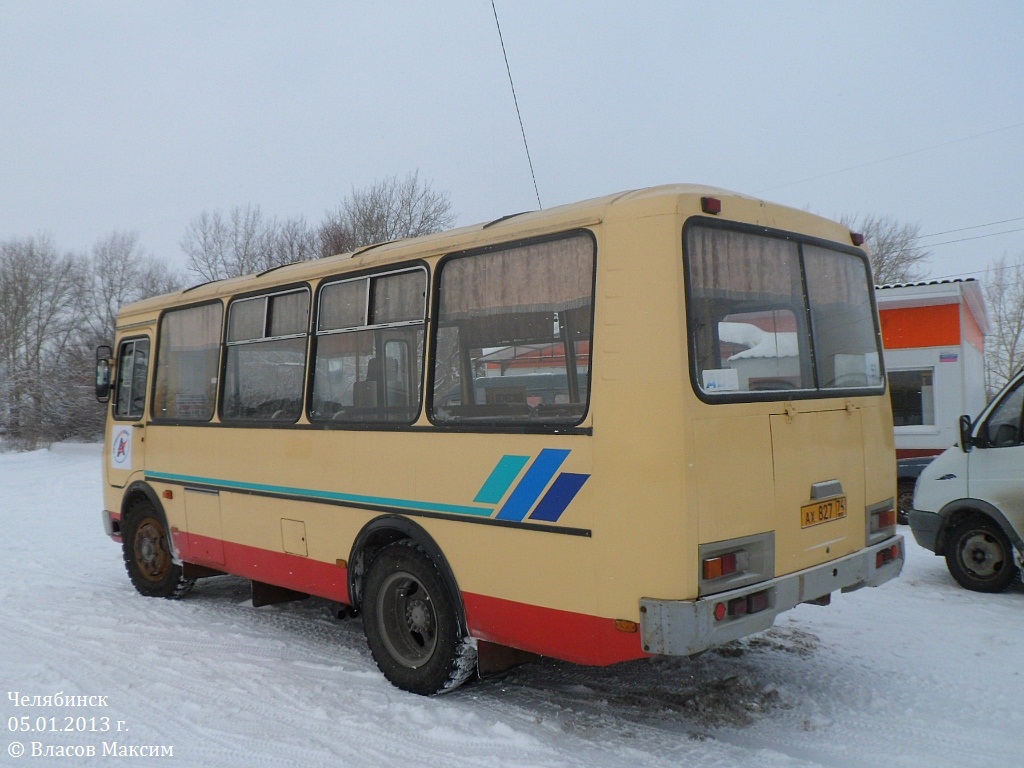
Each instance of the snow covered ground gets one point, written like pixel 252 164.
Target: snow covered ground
pixel 918 672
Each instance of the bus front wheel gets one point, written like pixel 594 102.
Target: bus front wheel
pixel 411 622
pixel 146 547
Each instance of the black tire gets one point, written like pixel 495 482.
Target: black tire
pixel 148 555
pixel 411 622
pixel 979 555
pixel 904 501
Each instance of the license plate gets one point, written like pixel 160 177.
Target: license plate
pixel 822 512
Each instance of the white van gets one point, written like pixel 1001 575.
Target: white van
pixel 969 502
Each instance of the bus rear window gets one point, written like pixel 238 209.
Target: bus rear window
pixel 768 314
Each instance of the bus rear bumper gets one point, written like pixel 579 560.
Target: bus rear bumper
pixel 686 627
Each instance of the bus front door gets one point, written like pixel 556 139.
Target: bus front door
pixel 126 435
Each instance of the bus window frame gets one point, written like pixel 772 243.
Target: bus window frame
pixel 369 274
pixel 214 419
pixel 267 293
pixel 116 374
pixel 510 427
pixel 804 319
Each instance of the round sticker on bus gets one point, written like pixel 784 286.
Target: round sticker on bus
pixel 121 449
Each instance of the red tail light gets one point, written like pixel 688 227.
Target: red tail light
pixel 723 565
pixel 887 555
pixel 883 519
pixel 741 606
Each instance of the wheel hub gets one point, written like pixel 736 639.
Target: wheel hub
pixel 407 619
pixel 982 555
pixel 418 617
pixel 151 554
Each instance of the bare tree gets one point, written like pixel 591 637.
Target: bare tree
pixel 244 242
pixel 121 272
pixel 389 209
pixel 55 307
pixel 219 247
pixel 40 311
pixel 291 241
pixel 1004 296
pixel 892 247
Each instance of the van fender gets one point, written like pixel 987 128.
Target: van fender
pixel 957 510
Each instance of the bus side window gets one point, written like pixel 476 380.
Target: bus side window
pixel 265 360
pixel 513 334
pixel 369 348
pixel 187 361
pixel 132 370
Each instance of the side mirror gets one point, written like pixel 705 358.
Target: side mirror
pixel 966 441
pixel 103 355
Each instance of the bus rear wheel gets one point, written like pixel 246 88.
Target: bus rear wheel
pixel 148 558
pixel 979 556
pixel 411 622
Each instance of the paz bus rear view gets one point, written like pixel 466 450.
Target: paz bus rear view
pixel 642 424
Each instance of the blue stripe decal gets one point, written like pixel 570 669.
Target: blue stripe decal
pixel 559 496
pixel 533 484
pixel 307 493
pixel 501 479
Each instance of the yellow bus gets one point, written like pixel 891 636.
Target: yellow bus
pixel 642 424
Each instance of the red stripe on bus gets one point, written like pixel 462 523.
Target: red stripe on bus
pixel 576 637
pixel 314 577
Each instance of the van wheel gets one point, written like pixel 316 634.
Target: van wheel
pixel 979 555
pixel 904 501
pixel 146 547
pixel 411 622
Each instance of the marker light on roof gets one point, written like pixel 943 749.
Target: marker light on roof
pixel 711 205
pixel 857 238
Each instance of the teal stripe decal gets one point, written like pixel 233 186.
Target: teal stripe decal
pixel 308 493
pixel 501 479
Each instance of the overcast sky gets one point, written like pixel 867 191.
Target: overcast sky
pixel 139 116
